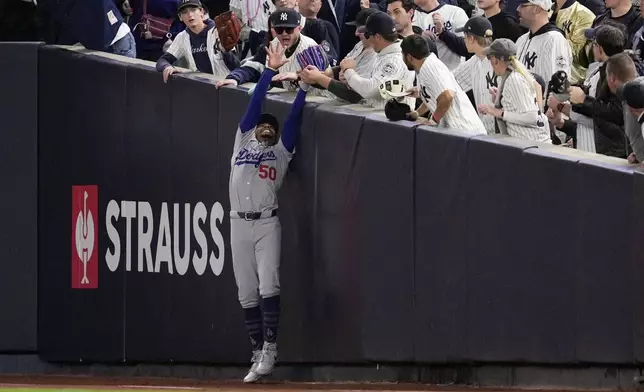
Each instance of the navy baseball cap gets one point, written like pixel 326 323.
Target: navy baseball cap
pixel 267 118
pixel 478 26
pixel 189 3
pixel 379 23
pixel 361 18
pixel 285 17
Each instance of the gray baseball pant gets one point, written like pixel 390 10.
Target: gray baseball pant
pixel 256 258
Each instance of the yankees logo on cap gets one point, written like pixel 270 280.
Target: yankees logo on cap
pixel 285 17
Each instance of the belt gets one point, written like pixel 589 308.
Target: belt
pixel 251 216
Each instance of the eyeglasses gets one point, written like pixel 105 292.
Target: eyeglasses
pixel 281 30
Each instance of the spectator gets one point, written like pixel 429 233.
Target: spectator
pixel 633 94
pixel 380 34
pixel 444 101
pixel 286 27
pixel 322 31
pixel 624 12
pixel 254 14
pixel 544 50
pixel 436 18
pixel 98 25
pixel 347 30
pixel 596 114
pixel 333 78
pixel 476 74
pixel 149 48
pixel 516 110
pixel 403 12
pixel 198 43
pixel 573 19
pixel 319 30
pixel 621 69
pixel 504 25
pixel 638 39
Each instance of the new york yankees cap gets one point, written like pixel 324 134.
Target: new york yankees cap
pixel 633 93
pixel 478 26
pixel 285 17
pixel 361 18
pixel 189 3
pixel 379 23
pixel 501 48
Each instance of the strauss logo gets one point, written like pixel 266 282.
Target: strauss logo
pixel 85 237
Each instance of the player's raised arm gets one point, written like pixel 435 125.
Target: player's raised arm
pixel 291 130
pixel 275 59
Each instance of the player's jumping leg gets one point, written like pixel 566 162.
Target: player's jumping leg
pixel 245 269
pixel 268 233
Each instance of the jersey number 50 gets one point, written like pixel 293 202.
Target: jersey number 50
pixel 267 171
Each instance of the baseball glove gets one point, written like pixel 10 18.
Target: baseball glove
pixel 315 55
pixel 229 30
pixel 396 111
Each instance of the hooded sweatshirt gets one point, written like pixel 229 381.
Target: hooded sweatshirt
pixel 545 52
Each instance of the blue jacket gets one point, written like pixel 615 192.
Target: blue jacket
pixel 93 23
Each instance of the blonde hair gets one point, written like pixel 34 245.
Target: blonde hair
pixel 517 66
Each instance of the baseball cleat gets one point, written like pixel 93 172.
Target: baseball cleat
pixel 252 375
pixel 269 357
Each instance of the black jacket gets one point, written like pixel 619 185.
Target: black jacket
pixel 631 20
pixel 503 24
pixel 608 117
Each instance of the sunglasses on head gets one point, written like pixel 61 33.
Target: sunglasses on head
pixel 281 30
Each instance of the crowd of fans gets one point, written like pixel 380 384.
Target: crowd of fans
pixel 565 72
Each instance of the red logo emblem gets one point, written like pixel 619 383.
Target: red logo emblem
pixel 85 237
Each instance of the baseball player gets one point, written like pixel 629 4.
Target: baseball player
pixel 255 14
pixel 259 163
pixel 198 43
pixel 380 34
pixel 476 74
pixel 544 49
pixel 440 93
pixel 436 17
pixel 286 27
pixel 516 110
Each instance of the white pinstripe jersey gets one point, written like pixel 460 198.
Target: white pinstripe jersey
pixel 388 65
pixel 255 13
pixel 256 173
pixel 364 58
pixel 181 48
pixel 476 74
pixel 454 18
pixel 517 98
pixel 586 125
pixel 545 53
pixel 293 66
pixel 433 79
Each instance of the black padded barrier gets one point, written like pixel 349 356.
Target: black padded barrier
pixel 338 280
pixel 383 232
pixel 637 239
pixel 82 120
pixel 495 297
pixel 401 243
pixel 549 189
pixel 603 270
pixel 440 267
pixel 18 198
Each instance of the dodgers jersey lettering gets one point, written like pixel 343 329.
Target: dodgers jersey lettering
pixel 454 18
pixel 433 79
pixel 256 173
pixel 545 53
pixel 476 74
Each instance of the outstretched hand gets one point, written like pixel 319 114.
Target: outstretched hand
pixel 275 56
